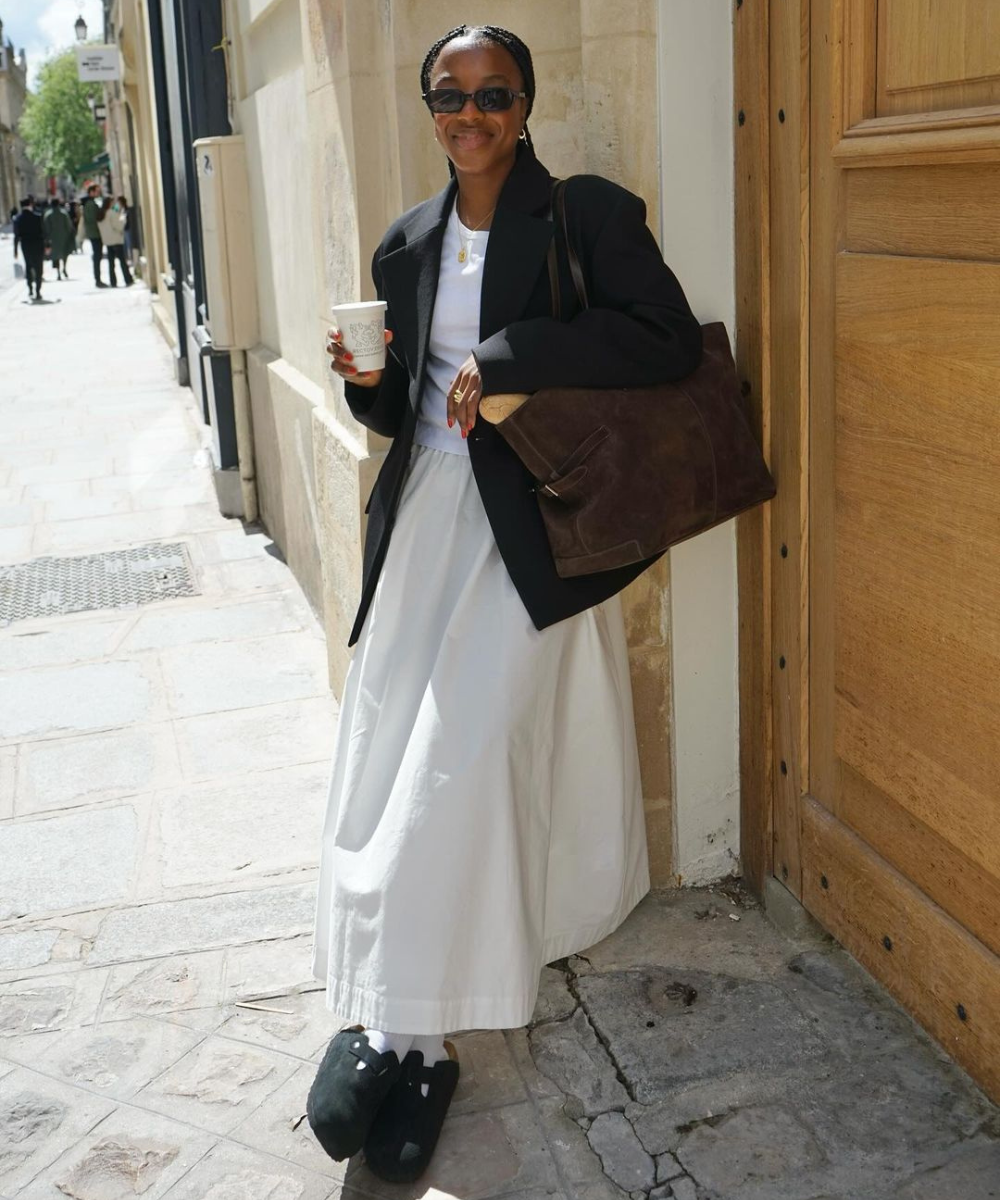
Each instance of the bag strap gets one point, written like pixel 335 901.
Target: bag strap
pixel 553 261
pixel 575 269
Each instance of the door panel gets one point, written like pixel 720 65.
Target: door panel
pixel 900 822
pixel 937 54
pixel 924 211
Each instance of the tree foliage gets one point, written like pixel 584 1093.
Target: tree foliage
pixel 58 128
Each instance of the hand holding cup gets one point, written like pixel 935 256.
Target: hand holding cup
pixel 343 361
pixel 358 340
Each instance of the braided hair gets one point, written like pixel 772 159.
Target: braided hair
pixel 518 51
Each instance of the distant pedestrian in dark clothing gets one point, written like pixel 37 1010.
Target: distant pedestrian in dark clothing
pixel 60 235
pixel 30 236
pixel 92 213
pixel 113 235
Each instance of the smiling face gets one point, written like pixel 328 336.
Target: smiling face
pixel 477 142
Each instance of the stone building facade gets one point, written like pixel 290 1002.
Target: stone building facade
pixel 18 175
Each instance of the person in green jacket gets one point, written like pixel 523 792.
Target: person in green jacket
pixel 60 235
pixel 92 214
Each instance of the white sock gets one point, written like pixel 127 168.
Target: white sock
pixel 432 1048
pixel 381 1043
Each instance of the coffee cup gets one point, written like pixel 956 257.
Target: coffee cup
pixel 362 332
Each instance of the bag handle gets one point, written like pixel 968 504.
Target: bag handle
pixel 575 269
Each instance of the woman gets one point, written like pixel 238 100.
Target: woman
pixel 112 227
pixel 485 813
pixel 61 235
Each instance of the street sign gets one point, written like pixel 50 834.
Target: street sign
pixel 97 64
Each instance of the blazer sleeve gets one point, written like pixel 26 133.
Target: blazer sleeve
pixel 382 408
pixel 639 329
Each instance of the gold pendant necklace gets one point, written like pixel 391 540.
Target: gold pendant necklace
pixel 463 253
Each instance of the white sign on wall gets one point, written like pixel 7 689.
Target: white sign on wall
pixel 97 64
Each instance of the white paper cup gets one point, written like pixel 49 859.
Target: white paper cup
pixel 362 331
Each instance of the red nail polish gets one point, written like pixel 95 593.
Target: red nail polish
pixel 463 433
pixel 349 357
pixel 451 421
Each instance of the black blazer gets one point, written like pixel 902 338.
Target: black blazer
pixel 639 330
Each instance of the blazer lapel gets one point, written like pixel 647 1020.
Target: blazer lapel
pixel 515 256
pixel 410 278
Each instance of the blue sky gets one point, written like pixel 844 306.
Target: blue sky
pixel 43 27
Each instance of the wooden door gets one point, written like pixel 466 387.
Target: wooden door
pixel 897 812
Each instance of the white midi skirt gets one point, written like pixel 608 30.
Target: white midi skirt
pixel 485 812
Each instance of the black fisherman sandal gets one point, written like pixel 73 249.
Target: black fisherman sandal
pixel 402 1138
pixel 343 1100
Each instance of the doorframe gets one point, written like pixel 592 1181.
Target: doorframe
pixel 771 99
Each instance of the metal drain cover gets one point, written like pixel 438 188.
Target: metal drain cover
pixel 114 579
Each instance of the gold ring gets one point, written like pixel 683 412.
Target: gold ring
pixel 456 395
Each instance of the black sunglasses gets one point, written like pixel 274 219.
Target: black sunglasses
pixel 487 99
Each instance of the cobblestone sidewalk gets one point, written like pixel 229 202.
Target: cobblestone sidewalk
pixel 162 776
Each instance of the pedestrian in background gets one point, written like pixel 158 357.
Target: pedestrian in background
pixel 112 229
pixel 73 208
pixel 60 235
pixel 30 236
pixel 92 212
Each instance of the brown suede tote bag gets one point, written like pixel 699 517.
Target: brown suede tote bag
pixel 624 473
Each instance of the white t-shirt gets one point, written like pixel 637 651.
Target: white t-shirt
pixel 454 332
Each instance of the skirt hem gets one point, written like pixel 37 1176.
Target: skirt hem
pixel 360 1006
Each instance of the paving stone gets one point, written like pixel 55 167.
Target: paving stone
pixel 555 1000
pixel 228 675
pixel 661 1125
pixel 66 772
pixel 488 1078
pixel 972 1174
pixel 15 546
pixel 683 1189
pixel 665 930
pixel 510 1155
pixel 160 629
pixel 32 948
pixel 52 1002
pixel 42 868
pixel 539 1086
pixel 622 1156
pixel 667 1167
pixel 231 1172
pixel 267 969
pixel 164 986
pixel 92 696
pixel 569 1054
pixel 666 1027
pixel 26 645
pixel 8 780
pixel 217 1084
pixel 847 1008
pixel 257 739
pixel 85 508
pixel 576 1161
pixel 281 1126
pixel 129 1153
pixel 39 1119
pixel 247 825
pixel 118 1058
pixel 104 533
pixel 901 1110
pixel 752 1146
pixel 204 922
pixel 298 1024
